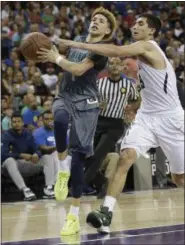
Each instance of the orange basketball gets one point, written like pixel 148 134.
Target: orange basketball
pixel 32 43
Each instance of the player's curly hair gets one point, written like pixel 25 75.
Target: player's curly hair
pixel 111 19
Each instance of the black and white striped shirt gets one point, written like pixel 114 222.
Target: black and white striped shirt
pixel 116 94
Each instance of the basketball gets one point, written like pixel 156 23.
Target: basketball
pixel 32 43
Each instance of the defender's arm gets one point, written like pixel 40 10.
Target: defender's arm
pixel 110 50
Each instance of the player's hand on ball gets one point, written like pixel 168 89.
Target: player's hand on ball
pixel 45 55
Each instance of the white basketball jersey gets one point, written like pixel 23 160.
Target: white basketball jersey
pixel 159 88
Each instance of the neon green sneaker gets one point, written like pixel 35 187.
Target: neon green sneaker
pixel 61 186
pixel 73 239
pixel 71 226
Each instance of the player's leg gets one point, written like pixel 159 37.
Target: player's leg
pixel 61 121
pixel 109 166
pixel 138 140
pixel 106 143
pixel 171 139
pixel 72 225
pixel 82 133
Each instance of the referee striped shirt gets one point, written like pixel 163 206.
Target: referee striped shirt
pixel 116 94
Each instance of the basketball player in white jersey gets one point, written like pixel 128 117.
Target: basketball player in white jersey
pixel 160 119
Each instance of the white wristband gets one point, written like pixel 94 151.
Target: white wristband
pixel 58 59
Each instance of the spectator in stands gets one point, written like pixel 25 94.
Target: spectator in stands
pixel 34 13
pixel 20 87
pixel 13 56
pixel 130 17
pixel 20 156
pixel 6 122
pixel 44 136
pixel 40 88
pixel 5 37
pixel 50 79
pixel 47 105
pixel 4 106
pixel 16 65
pixel 30 69
pixel 5 10
pixel 178 29
pixel 34 27
pixel 30 114
pixel 40 121
pixel 47 16
pixel 45 140
pixel 52 35
pixel 6 87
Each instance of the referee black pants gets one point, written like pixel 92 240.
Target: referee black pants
pixel 108 132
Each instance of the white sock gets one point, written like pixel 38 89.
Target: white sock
pixel 74 210
pixel 109 202
pixel 65 165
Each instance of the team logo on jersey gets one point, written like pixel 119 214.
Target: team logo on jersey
pixel 123 90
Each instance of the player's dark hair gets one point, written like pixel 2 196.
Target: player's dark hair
pixel 153 22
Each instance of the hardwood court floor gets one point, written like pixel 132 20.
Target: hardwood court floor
pixel 162 211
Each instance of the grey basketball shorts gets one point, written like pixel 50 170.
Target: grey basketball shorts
pixel 84 114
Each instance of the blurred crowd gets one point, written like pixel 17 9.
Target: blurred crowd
pixel 29 88
pixel 22 80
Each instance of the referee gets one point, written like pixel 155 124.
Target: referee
pixel 115 92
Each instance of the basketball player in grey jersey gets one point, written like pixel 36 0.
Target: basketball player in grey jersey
pixel 78 99
pixel 160 119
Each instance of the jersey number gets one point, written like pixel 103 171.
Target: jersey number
pixel 165 83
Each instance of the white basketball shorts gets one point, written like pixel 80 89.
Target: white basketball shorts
pixel 152 131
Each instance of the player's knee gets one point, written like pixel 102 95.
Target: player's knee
pixel 178 179
pixel 61 120
pixel 127 158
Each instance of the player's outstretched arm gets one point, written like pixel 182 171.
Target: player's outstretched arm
pixel 77 69
pixel 110 50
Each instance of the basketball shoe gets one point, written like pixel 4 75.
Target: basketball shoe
pixel 61 186
pixel 71 226
pixel 100 219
